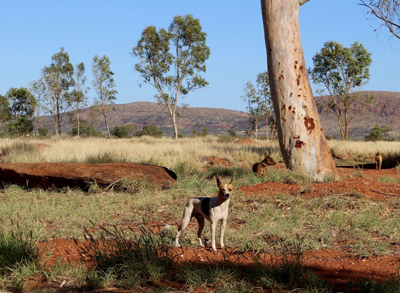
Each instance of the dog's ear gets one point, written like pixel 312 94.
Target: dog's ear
pixel 218 181
pixel 231 181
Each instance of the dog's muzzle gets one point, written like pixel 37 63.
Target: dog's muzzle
pixel 227 195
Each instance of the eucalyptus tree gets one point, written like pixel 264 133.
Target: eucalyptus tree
pixel 255 106
pixel 104 84
pixel 387 11
pixel 341 70
pixel 21 103
pixel 79 94
pixel 173 71
pixel 38 90
pixel 264 91
pixel 4 109
pixel 58 79
pixel 302 141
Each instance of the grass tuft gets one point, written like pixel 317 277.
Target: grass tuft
pixel 17 247
pixel 131 259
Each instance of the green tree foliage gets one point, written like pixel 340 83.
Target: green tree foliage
pixel 232 133
pixel 258 102
pixel 86 130
pixel 38 90
pixel 104 86
pixel 122 131
pixel 341 70
pixel 387 11
pixel 57 80
pixel 21 126
pixel 173 74
pixel 5 114
pixel 150 130
pixel 43 132
pixel 205 131
pixel 78 95
pixel 21 102
pixel 380 133
pixel 375 135
pixel 264 91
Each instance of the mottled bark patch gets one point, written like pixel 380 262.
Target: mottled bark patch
pixel 298 80
pixel 309 123
pixel 299 144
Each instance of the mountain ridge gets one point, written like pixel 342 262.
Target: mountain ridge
pixel 385 111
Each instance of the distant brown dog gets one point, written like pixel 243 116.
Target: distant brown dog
pixel 261 168
pixel 378 160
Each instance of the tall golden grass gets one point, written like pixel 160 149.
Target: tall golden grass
pixel 168 152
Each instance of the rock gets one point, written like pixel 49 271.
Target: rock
pixel 60 175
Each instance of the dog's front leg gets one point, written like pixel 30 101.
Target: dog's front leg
pixel 223 225
pixel 213 227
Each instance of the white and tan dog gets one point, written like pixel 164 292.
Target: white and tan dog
pixel 213 209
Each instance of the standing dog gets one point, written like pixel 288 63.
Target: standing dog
pixel 261 168
pixel 378 160
pixel 213 209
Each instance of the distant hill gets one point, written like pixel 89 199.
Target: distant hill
pixel 385 111
pixel 218 121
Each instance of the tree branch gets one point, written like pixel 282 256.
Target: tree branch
pixel 301 2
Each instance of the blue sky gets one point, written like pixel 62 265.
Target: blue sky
pixel 32 31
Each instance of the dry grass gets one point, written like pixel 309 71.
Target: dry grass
pixel 364 148
pixel 167 152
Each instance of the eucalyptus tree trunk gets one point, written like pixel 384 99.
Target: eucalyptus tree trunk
pixel 301 138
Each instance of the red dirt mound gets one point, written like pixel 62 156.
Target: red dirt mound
pixel 60 175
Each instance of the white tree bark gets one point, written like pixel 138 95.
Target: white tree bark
pixel 301 138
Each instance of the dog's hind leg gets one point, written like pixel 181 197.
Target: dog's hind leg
pixel 200 221
pixel 185 221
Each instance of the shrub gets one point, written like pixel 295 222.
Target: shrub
pixel 380 133
pixel 232 133
pixel 43 131
pixel 205 131
pixel 21 126
pixel 86 130
pixel 150 130
pixel 226 138
pixel 122 131
pixel 375 135
pixel 195 133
